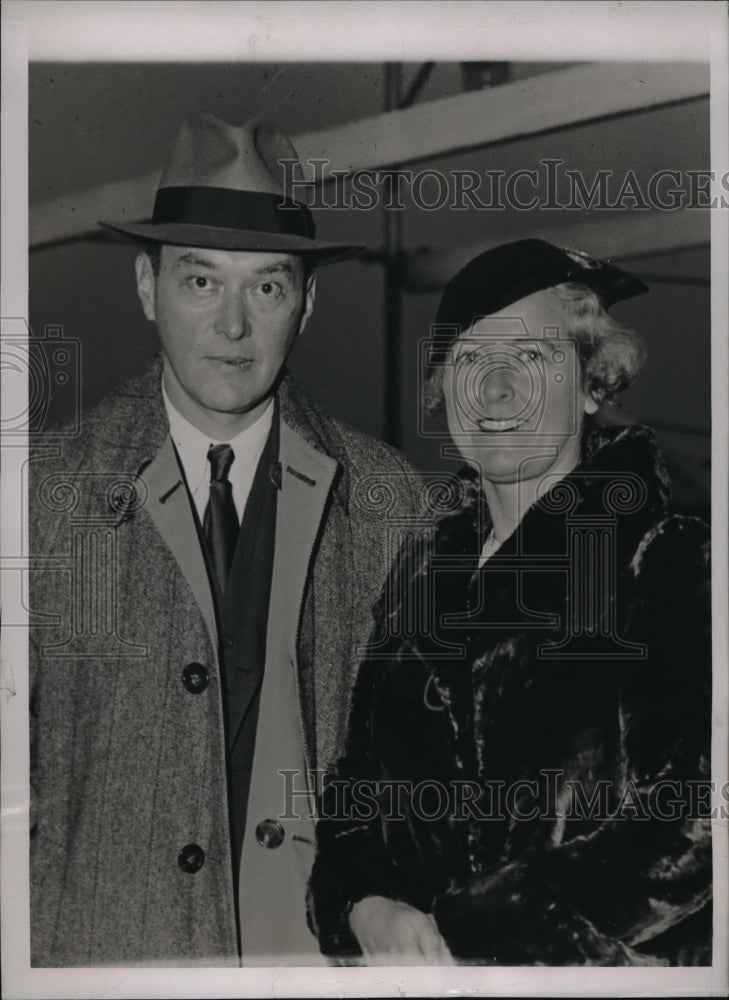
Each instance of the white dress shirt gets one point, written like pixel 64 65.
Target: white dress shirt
pixel 192 447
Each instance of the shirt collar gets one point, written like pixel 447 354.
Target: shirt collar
pixel 192 444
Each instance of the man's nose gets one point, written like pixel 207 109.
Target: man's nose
pixel 232 320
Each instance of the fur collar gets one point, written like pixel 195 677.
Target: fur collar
pixel 622 471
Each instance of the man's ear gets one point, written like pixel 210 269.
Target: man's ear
pixel 309 296
pixel 145 284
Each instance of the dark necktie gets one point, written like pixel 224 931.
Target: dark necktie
pixel 220 522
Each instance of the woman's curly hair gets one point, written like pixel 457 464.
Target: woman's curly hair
pixel 611 355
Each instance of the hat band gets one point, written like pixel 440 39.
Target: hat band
pixel 224 208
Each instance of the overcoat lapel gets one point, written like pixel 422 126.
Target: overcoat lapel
pixel 170 509
pixel 138 441
pixel 308 476
pixel 306 480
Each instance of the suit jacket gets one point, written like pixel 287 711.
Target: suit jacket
pixel 128 757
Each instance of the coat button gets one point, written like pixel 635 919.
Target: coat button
pixel 191 858
pixel 195 678
pixel 227 642
pixel 270 833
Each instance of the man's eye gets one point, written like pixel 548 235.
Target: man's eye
pixel 268 290
pixel 199 283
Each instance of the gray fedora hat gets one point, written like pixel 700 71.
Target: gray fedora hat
pixel 225 188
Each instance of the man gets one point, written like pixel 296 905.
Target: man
pixel 206 561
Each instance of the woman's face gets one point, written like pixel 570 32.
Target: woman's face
pixel 513 391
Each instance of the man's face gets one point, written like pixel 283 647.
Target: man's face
pixel 227 320
pixel 514 397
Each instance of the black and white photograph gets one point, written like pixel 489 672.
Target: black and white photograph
pixel 364 449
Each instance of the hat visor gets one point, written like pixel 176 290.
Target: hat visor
pixel 219 238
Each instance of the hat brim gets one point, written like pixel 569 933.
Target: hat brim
pixel 219 238
pixel 611 283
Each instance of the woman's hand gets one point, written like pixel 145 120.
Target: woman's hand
pixel 390 932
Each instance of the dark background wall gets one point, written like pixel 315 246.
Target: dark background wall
pixel 100 123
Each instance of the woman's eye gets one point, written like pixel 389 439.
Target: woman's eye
pixel 466 357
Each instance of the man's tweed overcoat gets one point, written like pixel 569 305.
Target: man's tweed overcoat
pixel 128 767
pixel 549 720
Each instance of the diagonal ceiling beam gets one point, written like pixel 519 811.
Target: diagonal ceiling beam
pixel 526 107
pixel 536 104
pixel 632 234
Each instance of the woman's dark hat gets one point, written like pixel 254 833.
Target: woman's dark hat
pixel 226 188
pixel 503 275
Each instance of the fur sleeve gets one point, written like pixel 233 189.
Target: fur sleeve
pixel 352 859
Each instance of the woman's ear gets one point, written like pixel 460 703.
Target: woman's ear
pixel 591 404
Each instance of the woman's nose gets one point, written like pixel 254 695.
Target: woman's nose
pixel 498 385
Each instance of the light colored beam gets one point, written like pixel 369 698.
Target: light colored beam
pixel 526 107
pixel 553 100
pixel 631 234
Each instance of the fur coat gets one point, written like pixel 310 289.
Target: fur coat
pixel 528 751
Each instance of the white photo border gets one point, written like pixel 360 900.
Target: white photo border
pixel 111 31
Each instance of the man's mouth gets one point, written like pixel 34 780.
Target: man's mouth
pixel 493 424
pixel 241 363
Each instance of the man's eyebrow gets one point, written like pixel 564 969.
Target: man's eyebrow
pixel 276 267
pixel 191 258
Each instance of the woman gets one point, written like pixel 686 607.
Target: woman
pixel 527 763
